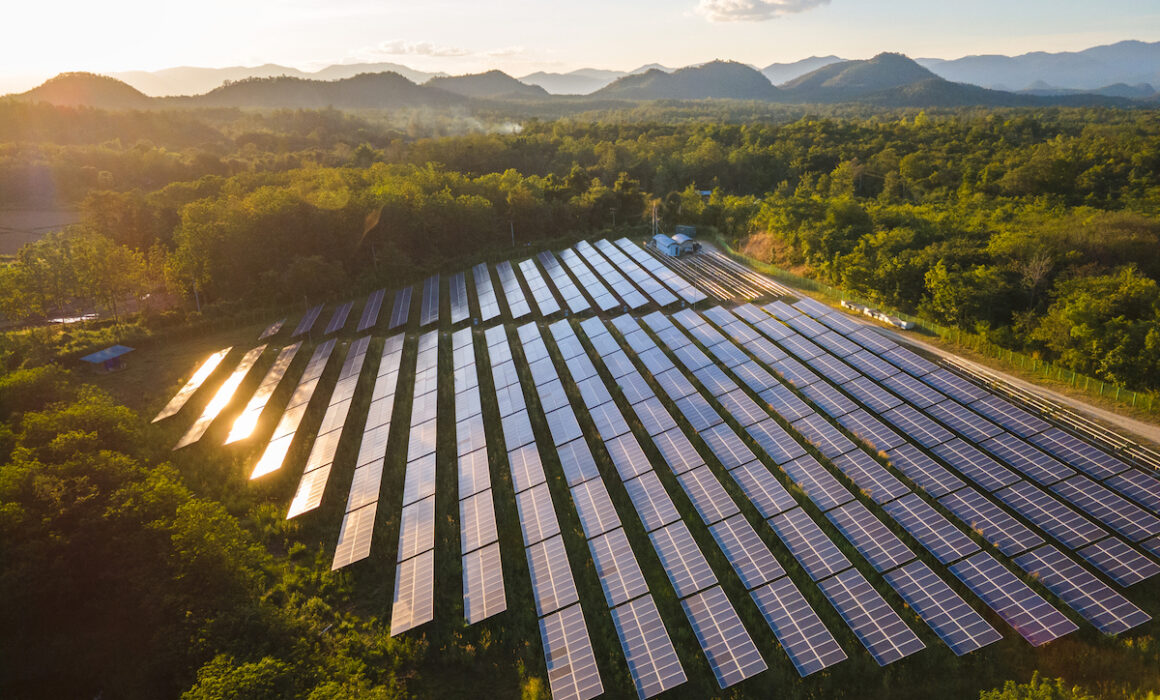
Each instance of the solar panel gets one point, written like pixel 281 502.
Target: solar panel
pixel 727 645
pixel 1122 563
pixel 1109 611
pixel 727 446
pixel 552 583
pixel 799 630
pixel 401 309
pixel 1025 610
pixel 577 462
pixel 915 392
pixel 1140 487
pixel 728 355
pixel 222 398
pixel 526 468
pixel 517 303
pixel 509 398
pixel 870 477
pixel 786 403
pixel 474 475
pixel 873 540
pixel 795 372
pixel 572 671
pixel 594 508
pixel 609 421
pixel 307 321
pixel 1092 461
pixel 354 538
pixel 457 289
pixel 677 451
pixel 836 343
pixel 485 293
pixel 766 351
pixel 742 408
pixel 627 456
pixel 806 326
pixel 202 373
pixel 1007 415
pixel 954 386
pixel 754 377
pixel 923 471
pixel 429 313
pixel 829 399
pixel 563 426
pixel 1104 505
pixel 840 323
pixel 651 501
pixel 869 338
pixel 762 489
pixel 1051 516
pixel 653 416
pixel 989 520
pixel 682 559
pixel 908 361
pixel 581 368
pixel 1152 545
pixel 414 601
pixel 707 494
pixel 933 531
pixel 541 369
pixel 572 296
pixel 634 387
pixel 870 430
pixel 874 623
pixel 828 439
pixel 700 414
pixel 417 528
pixel 537 515
pixel 917 426
pixel 834 369
pixel 616 566
pixel 541 294
pixel 872 395
pixel 1027 459
pixel 483 589
pixel 955 622
pixel 808 544
pixel 674 384
pixel 747 553
pixel 517 430
pixel 477 522
pixel 419 480
pixel 244 425
pixel 818 484
pixel 652 660
pixel 975 465
pixel 873 366
pixel 338 318
pixel 781 310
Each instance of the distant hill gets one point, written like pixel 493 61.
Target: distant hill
pixel 87 90
pixel 366 91
pixel 188 80
pixel 577 82
pixel 718 79
pixel 779 73
pixel 1131 92
pixel 1128 62
pixel 850 80
pixel 493 84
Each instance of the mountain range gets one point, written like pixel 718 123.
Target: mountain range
pixel 888 80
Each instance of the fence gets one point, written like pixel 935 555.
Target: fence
pixel 1142 400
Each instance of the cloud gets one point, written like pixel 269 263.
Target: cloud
pixel 506 52
pixel 417 48
pixel 753 10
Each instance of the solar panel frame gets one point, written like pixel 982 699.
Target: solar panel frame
pixel 808 544
pixel 960 627
pixel 802 634
pixel 1022 608
pixel 1050 515
pixel 873 540
pixel 990 521
pixel 727 645
pixel 932 530
pixel 876 625
pixel 651 501
pixel 571 665
pixel 1119 561
pixel 648 650
pixel 616 567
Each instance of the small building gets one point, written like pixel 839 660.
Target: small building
pixel 687 245
pixel 666 245
pixel 110 359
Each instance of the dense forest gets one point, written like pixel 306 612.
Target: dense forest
pixel 158 575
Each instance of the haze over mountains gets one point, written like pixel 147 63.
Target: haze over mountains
pixel 888 80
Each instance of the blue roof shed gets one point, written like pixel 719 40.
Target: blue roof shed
pixel 109 358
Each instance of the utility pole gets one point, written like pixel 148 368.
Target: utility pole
pixel 513 225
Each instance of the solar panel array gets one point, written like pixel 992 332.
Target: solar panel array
pixel 647 283
pixel 221 398
pixel 628 294
pixel 675 282
pixel 245 423
pixel 517 303
pixel 429 312
pixel 457 290
pixel 279 443
pixel 316 473
pixel 358 522
pixel 370 312
pixel 338 318
pixel 483 586
pixel 485 292
pixel 202 373
pixel 401 310
pixel 541 293
pixel 307 321
pixel 573 297
pixel 415 593
pixel 601 296
pixel 272 329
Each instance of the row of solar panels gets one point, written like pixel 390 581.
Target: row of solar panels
pixel 913 514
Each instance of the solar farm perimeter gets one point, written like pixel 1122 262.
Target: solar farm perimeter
pixel 682 472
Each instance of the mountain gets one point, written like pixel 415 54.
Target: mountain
pixel 1128 62
pixel 849 80
pixel 1142 91
pixel 87 90
pixel 366 91
pixel 577 82
pixel 188 80
pixel 718 79
pixel 779 73
pixel 493 84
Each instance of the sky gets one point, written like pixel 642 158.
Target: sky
pixel 41 39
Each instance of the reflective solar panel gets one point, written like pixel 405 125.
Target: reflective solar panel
pixel 794 372
pixel 563 426
pixel 1050 515
pixel 727 446
pixel 477 522
pixel 616 567
pixel 485 293
pixel 870 477
pixel 483 589
pixel 872 366
pixel 975 465
pixel 609 421
pixel 799 630
pixel 775 441
pixel 419 480
pixel 674 384
pixel 697 410
pixel 932 530
pixel 747 554
pixel 834 369
pixel 727 645
pixel 429 313
pixel 714 380
pixel 754 377
pixel 955 622
pixel 517 430
pixel 1109 611
pixel 222 398
pixel 202 373
pixel 474 474
pixel 873 396
pixel 417 528
pixel 870 430
pixel 954 386
pixel 1140 487
pixel 762 489
pixel 707 494
pixel 653 416
pixel 682 559
pixel 819 484
pixel 627 456
pixel 806 326
pixel 964 421
pixel 414 601
pixel 871 339
pixel 840 323
pixel 908 361
pixel 786 403
pixel 652 660
pixel 651 501
pixel 537 514
pixel 1104 505
pixel 594 508
pixel 1079 454
pixel 1027 459
pixel 1022 608
pixel 923 471
pixel 677 451
pixel 572 671
pixel 1122 563
pixel 917 426
pixel 833 402
pixel 828 439
pixel 526 468
pixel 354 539
pixel 552 583
pixel 873 540
pixel 808 544
pixel 915 392
pixel 744 409
pixel 307 321
pixel 634 387
pixel 874 623
pixel 998 527
pixel 836 343
pixel 517 303
pixel 1009 416
pixel 577 462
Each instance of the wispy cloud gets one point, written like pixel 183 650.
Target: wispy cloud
pixel 753 10
pixel 415 48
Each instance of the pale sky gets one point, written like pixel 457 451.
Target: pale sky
pixel 40 39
